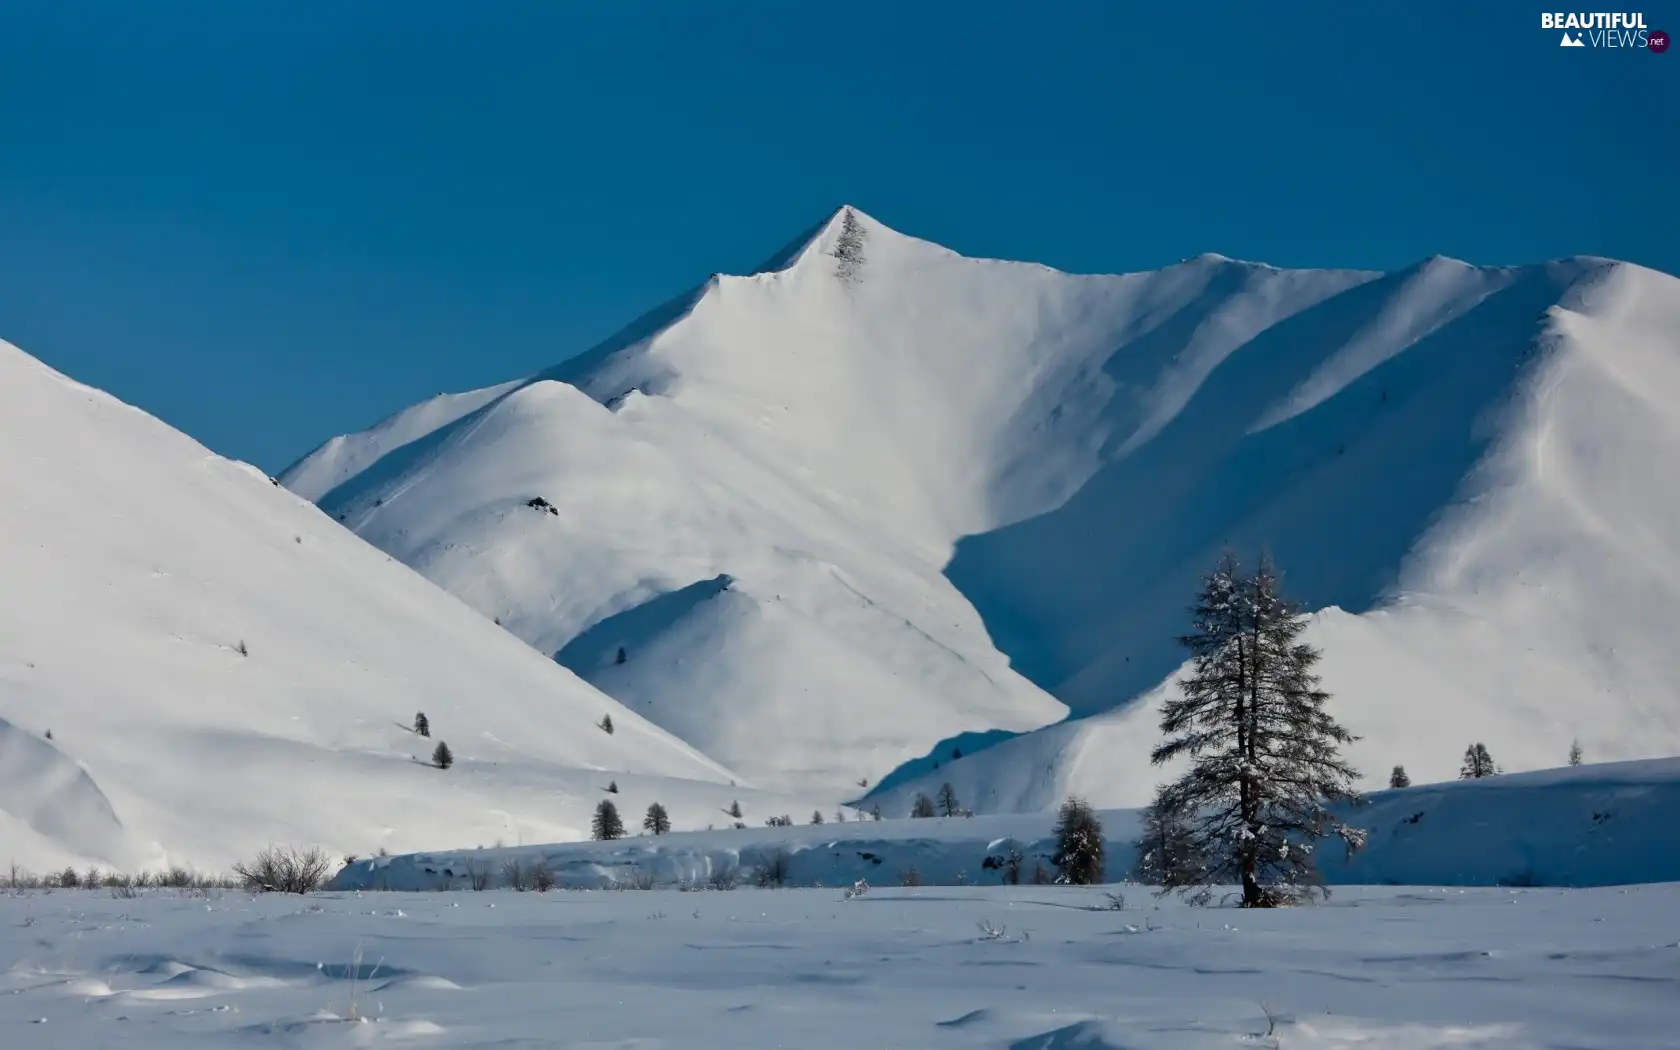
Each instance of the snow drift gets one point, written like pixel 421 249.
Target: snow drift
pixel 222 667
pixel 1596 825
pixel 832 518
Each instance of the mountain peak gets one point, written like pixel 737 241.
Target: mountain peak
pixel 846 222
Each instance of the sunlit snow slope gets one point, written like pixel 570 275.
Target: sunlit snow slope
pixel 806 503
pixel 133 564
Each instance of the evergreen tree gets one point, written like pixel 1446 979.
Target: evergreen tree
pixel 848 247
pixel 839 816
pixel 923 807
pixel 1574 753
pixel 817 817
pixel 422 724
pixel 605 724
pixel 1399 779
pixel 1079 844
pixel 607 824
pixel 1166 854
pixel 622 656
pixel 875 812
pixel 1265 760
pixel 948 803
pixel 657 820
pixel 1477 763
pixel 442 757
pixel 612 787
pixel 735 809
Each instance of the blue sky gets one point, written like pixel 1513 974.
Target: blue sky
pixel 269 223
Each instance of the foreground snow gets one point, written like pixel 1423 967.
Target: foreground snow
pixel 1385 969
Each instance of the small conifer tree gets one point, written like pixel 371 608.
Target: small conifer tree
pixel 442 757
pixel 612 787
pixel 1574 752
pixel 607 824
pixel 1399 778
pixel 948 804
pixel 1478 763
pixel 1167 853
pixel 422 724
pixel 657 820
pixel 817 817
pixel 735 809
pixel 605 724
pixel 1079 844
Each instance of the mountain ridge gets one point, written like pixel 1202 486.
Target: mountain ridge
pixel 903 453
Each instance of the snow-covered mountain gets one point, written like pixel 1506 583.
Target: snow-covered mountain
pixel 135 565
pixel 799 518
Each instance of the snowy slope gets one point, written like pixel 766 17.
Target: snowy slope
pixel 815 507
pixel 135 562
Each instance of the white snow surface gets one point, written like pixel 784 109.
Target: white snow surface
pixel 841 511
pixel 1375 969
pixel 1592 825
pixel 135 562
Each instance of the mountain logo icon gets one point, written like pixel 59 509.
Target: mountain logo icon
pixel 1571 41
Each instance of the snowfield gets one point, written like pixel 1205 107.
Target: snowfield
pixel 1593 825
pixel 1020 968
pixel 835 521
pixel 136 563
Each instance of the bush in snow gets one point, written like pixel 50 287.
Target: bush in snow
pixel 1399 779
pixel 1265 755
pixel 442 757
pixel 1574 751
pixel 542 880
pixel 948 804
pixel 538 503
pixel 657 820
pixel 1477 763
pixel 922 808
pixel 875 811
pixel 607 824
pixel 910 876
pixel 1079 844
pixel 422 724
pixel 284 869
pixel 240 648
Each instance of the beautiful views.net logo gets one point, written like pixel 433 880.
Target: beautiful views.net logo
pixel 1604 29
